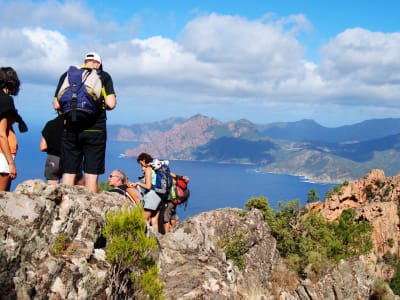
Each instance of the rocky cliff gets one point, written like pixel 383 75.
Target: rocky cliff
pixel 191 258
pixel 375 198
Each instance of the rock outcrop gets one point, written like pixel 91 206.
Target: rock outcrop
pixel 375 198
pixel 37 218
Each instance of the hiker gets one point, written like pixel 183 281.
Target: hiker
pixel 178 195
pixel 84 139
pixel 151 200
pixel 9 86
pixel 119 183
pixel 50 143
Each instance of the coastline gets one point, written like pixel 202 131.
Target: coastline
pixel 305 177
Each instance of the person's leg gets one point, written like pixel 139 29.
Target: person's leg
pixel 91 182
pixel 5 182
pixel 167 227
pixel 80 178
pixel 174 220
pixel 147 215
pixel 168 211
pixel 71 157
pixel 94 152
pixel 68 178
pixel 154 220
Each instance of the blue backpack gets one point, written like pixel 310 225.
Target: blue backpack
pixel 163 180
pixel 80 94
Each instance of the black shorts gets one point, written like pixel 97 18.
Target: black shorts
pixel 84 147
pixel 52 169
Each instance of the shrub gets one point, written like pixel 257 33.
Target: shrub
pixel 235 247
pixel 308 240
pixel 130 252
pixel 60 244
pixel 369 190
pixel 261 203
pixel 355 235
pixel 104 186
pixel 395 282
pixel 381 290
pixel 336 189
pixel 312 196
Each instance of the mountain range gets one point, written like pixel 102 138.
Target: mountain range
pixel 303 148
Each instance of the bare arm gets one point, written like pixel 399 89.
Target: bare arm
pixel 111 101
pixel 43 144
pixel 56 105
pixel 147 182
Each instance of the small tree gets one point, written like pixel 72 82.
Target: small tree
pixel 262 204
pixel 312 196
pixel 130 251
pixel 104 186
pixel 307 241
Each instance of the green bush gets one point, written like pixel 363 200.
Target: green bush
pixel 235 247
pixel 312 196
pixel 261 203
pixel 381 290
pixel 104 186
pixel 60 244
pixel 395 282
pixel 308 239
pixel 130 251
pixel 369 190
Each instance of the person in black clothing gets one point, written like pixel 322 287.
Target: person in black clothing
pixel 86 142
pixel 51 144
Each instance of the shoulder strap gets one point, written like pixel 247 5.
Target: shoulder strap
pixel 118 190
pixel 133 197
pixel 128 193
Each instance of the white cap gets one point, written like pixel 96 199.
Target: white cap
pixel 93 56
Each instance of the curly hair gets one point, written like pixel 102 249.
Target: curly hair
pixel 9 79
pixel 144 156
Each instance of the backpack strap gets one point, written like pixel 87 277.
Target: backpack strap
pixel 132 196
pixel 128 193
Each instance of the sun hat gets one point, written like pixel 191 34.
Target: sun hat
pixel 93 56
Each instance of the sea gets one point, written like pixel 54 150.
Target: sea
pixel 212 185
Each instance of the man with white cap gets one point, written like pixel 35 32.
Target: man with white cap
pixel 85 142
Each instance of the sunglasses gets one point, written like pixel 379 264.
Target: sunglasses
pixel 111 176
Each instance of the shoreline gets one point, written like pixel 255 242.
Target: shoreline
pixel 304 177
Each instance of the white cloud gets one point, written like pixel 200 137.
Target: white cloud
pixel 363 66
pixel 257 67
pixel 363 56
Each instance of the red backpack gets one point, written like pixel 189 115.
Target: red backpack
pixel 179 193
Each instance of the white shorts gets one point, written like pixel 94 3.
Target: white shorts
pixel 4 167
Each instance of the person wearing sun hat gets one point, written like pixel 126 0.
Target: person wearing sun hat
pixel 86 141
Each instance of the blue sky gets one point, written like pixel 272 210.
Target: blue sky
pixel 336 62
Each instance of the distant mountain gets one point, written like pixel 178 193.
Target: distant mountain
pixel 229 149
pixel 300 148
pixel 141 132
pixel 306 130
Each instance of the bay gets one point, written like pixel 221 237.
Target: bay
pixel 213 185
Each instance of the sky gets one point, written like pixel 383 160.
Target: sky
pixel 335 62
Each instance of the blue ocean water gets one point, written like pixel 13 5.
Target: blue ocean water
pixel 213 185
